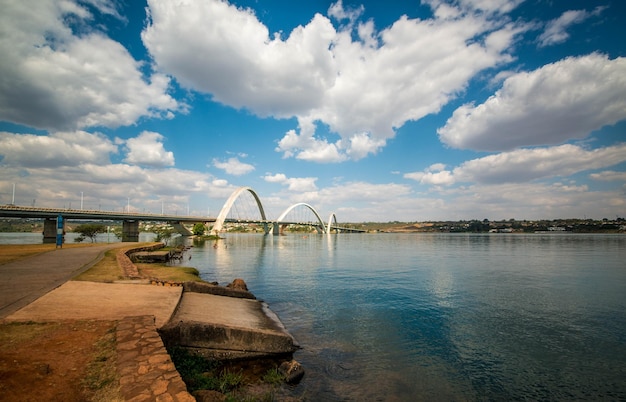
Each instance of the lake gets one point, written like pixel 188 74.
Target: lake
pixel 406 317
pixel 441 316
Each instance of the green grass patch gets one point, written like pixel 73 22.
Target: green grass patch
pixel 273 377
pixel 105 270
pixel 197 372
pixel 101 378
pixel 168 273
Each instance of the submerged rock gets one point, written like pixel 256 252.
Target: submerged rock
pixel 238 284
pixel 292 371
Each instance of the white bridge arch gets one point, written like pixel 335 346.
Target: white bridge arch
pixel 321 226
pixel 332 218
pixel 218 226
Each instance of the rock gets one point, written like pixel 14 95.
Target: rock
pixel 292 371
pixel 209 396
pixel 238 284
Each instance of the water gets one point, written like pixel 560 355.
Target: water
pixel 37 238
pixel 441 317
pixel 404 317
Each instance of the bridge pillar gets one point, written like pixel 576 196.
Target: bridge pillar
pixel 50 230
pixel 275 228
pixel 130 231
pixel 180 228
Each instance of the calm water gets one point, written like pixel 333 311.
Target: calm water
pixel 406 317
pixel 441 317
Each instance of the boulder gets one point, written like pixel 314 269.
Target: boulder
pixel 292 371
pixel 238 284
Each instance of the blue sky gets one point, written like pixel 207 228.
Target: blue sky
pixel 376 111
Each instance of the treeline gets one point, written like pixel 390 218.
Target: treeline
pixel 509 226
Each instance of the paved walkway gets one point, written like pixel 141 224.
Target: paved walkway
pixel 79 300
pixel 27 279
pixel 34 290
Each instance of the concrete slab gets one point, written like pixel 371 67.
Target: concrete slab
pixel 227 328
pixel 102 301
pixel 227 311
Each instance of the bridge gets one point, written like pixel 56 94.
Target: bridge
pixel 130 220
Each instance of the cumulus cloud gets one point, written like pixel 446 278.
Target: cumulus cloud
pixel 217 48
pixel 558 102
pixel 147 149
pixel 112 186
pixel 295 184
pixel 233 166
pixel 362 89
pixel 556 30
pixel 433 175
pixel 524 165
pixel 55 150
pixel 55 79
pixel 609 175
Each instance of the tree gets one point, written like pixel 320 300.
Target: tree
pixel 163 234
pixel 89 230
pixel 198 229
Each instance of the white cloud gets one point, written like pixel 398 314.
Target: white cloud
pixel 295 184
pixel 556 30
pixel 55 150
pixel 609 175
pixel 56 80
pixel 111 186
pixel 434 175
pixel 524 165
pixel 338 12
pixel 530 164
pixel 217 48
pixel 363 90
pixel 233 166
pixel 557 102
pixel 529 201
pixel 147 149
pixel 306 147
pixel 444 9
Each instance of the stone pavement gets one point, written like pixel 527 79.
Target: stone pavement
pixel 145 368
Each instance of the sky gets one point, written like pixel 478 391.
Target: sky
pixel 374 111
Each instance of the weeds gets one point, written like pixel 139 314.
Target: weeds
pixel 273 377
pixel 101 375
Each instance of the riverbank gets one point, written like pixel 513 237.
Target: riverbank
pixel 97 302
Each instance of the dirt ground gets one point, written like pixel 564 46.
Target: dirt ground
pixel 64 361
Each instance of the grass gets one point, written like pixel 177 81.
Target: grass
pixel 167 273
pixel 106 270
pixel 200 373
pixel 197 372
pixel 14 332
pixel 273 377
pixel 101 378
